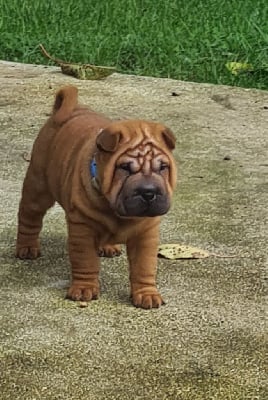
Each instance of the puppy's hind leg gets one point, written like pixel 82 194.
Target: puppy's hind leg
pixel 35 202
pixel 109 250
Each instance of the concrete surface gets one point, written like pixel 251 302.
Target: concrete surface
pixel 208 342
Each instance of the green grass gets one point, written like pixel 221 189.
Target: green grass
pixel 183 39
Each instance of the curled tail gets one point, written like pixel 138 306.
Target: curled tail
pixel 65 102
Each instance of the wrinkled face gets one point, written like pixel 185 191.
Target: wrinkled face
pixel 140 180
pixel 143 177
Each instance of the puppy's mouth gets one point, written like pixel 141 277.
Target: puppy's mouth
pixel 144 201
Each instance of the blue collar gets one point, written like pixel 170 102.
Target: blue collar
pixel 93 168
pixel 93 173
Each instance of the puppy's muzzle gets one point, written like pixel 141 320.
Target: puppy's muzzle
pixel 148 192
pixel 145 200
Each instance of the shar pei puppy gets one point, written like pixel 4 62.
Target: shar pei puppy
pixel 114 179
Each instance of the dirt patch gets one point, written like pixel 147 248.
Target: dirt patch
pixel 208 341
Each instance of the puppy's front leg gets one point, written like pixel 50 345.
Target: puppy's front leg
pixel 84 263
pixel 142 256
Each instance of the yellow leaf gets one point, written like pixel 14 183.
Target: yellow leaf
pixel 175 251
pixel 237 67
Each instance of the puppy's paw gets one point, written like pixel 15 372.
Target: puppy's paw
pixel 27 252
pixel 147 300
pixel 77 292
pixel 109 250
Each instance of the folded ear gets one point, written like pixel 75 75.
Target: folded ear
pixel 107 140
pixel 169 138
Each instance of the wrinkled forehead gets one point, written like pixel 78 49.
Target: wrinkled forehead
pixel 145 156
pixel 144 149
pixel 140 143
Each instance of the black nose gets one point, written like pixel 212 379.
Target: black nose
pixel 148 192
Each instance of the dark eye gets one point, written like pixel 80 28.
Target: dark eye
pixel 125 166
pixel 164 166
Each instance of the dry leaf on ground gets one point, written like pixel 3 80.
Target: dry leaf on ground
pixel 176 251
pixel 80 71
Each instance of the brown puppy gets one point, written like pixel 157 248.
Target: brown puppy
pixel 113 179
